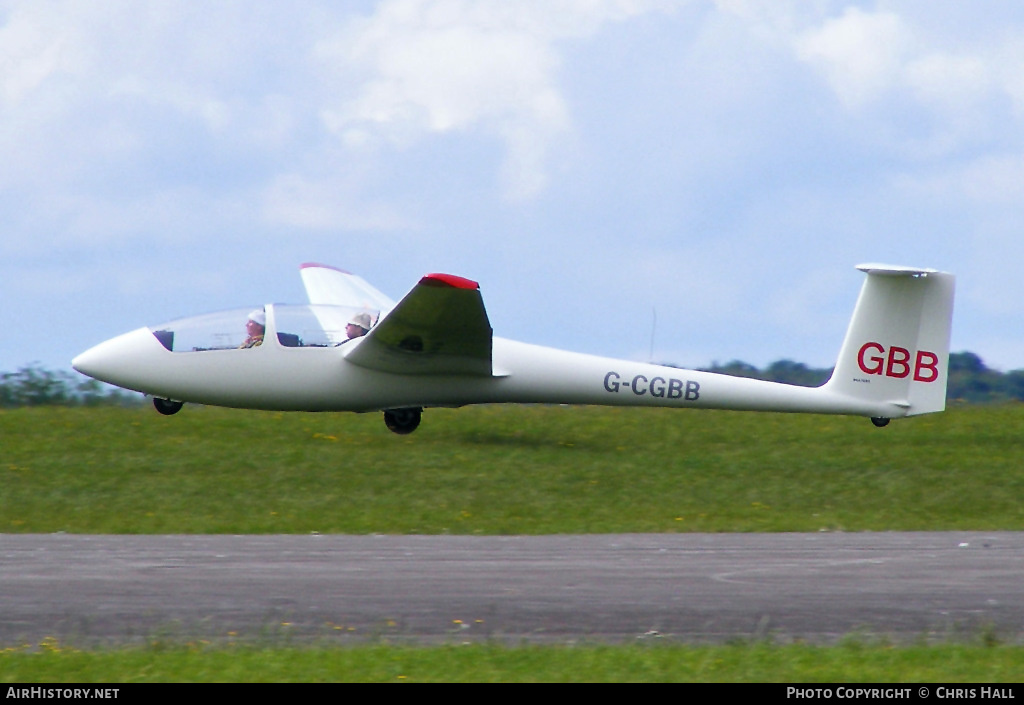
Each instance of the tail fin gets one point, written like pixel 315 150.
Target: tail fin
pixel 897 346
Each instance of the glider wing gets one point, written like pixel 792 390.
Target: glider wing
pixel 439 328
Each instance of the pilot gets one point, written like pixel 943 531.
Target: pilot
pixel 255 328
pixel 358 326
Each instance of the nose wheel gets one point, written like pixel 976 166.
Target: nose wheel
pixel 880 421
pixel 402 421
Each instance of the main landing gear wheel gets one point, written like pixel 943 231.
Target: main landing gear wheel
pixel 402 421
pixel 880 421
pixel 166 406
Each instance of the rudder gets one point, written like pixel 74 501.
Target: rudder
pixel 896 349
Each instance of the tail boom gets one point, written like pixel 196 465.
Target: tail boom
pixel 893 363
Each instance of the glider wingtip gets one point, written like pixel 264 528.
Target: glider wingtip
pixel 314 265
pixel 449 280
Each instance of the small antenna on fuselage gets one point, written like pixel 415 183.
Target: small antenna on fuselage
pixel 654 325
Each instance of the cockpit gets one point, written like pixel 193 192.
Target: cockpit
pixel 290 326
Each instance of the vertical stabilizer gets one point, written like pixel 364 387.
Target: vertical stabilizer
pixel 897 346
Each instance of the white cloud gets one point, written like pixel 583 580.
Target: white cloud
pixel 464 65
pixel 984 182
pixel 860 53
pixel 28 56
pixel 296 201
pixel 868 58
pixel 927 85
pixel 947 80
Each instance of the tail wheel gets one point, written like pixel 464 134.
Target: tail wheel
pixel 166 406
pixel 880 421
pixel 402 421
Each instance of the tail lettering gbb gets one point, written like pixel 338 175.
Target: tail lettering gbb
pixel 873 360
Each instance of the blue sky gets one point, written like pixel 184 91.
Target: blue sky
pixel 710 172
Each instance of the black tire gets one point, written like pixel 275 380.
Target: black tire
pixel 166 406
pixel 880 421
pixel 402 421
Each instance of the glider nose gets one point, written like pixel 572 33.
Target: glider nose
pixel 91 362
pixel 118 360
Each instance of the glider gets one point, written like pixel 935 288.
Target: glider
pixel 354 349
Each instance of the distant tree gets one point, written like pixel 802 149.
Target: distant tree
pixel 789 372
pixel 1015 384
pixel 736 368
pixel 966 362
pixel 784 371
pixel 971 381
pixel 36 386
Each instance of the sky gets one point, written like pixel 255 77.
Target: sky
pixel 682 181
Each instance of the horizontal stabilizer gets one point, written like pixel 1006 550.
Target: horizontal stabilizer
pixel 894 270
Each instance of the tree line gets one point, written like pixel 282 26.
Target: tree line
pixel 970 381
pixel 36 386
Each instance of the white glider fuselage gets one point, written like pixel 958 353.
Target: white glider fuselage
pixel 273 377
pixel 892 363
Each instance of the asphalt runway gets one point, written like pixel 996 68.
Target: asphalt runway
pixel 695 588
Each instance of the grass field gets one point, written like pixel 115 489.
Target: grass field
pixel 509 470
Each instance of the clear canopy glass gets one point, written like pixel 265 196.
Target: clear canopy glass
pixel 294 326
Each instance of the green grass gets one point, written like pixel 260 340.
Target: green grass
pixel 755 663
pixel 507 470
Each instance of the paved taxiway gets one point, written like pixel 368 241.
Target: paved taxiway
pixel 691 587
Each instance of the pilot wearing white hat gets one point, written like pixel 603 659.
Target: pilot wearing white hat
pixel 255 328
pixel 358 326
